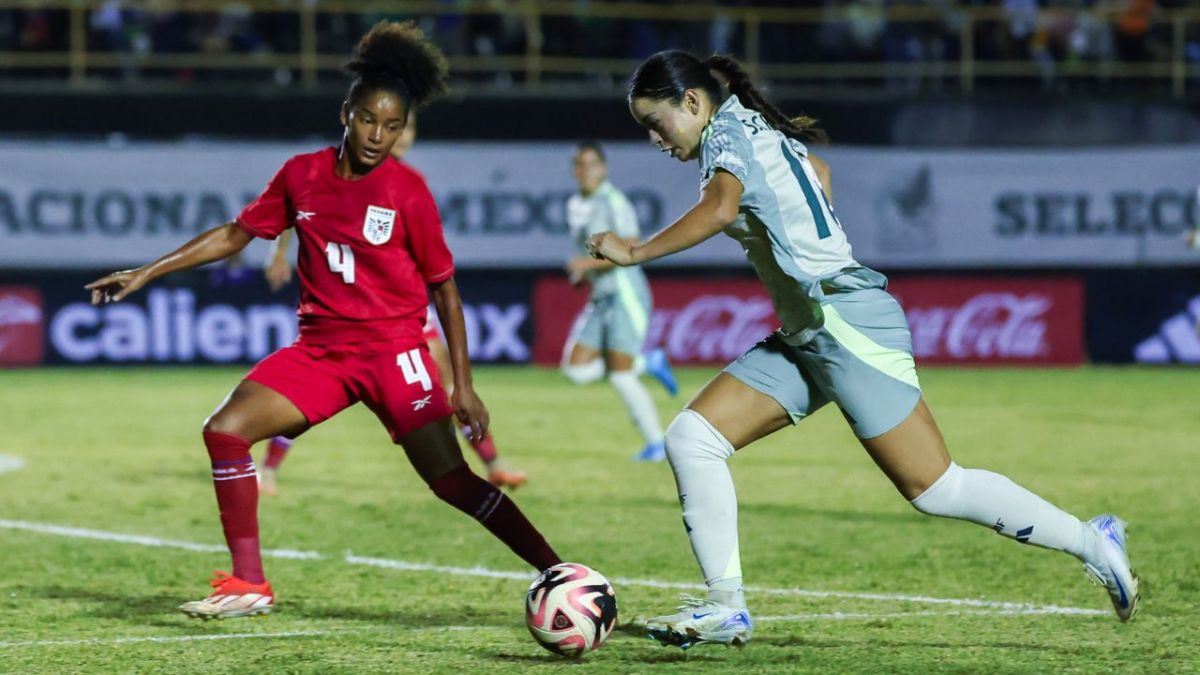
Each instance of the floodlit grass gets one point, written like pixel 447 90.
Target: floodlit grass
pixel 118 451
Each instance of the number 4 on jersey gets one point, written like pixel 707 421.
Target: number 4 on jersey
pixel 341 260
pixel 413 367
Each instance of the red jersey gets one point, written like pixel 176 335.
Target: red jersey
pixel 368 247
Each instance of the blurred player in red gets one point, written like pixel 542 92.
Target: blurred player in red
pixel 278 272
pixel 371 254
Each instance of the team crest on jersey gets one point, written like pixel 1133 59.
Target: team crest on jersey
pixel 377 228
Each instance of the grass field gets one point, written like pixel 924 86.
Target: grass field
pixel 848 577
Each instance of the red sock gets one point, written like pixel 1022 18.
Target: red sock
pixel 482 501
pixel 237 498
pixel 485 448
pixel 277 449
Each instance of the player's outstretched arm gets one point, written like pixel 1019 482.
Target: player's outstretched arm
pixel 717 208
pixel 216 244
pixel 467 405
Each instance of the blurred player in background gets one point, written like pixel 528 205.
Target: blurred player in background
pixel 372 252
pixel 278 272
pixel 610 333
pixel 843 339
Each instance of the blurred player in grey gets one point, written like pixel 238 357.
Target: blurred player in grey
pixel 609 335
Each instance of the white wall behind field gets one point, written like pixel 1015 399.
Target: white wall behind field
pixel 92 204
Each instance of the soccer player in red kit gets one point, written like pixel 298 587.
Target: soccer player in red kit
pixel 278 272
pixel 372 254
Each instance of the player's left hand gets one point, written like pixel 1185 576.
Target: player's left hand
pixel 608 246
pixel 470 411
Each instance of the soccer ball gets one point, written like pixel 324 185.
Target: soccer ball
pixel 570 609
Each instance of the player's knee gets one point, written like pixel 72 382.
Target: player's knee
pixel 449 486
pixel 217 423
pixel 223 422
pixel 584 373
pixel 690 437
pixel 938 497
pixel 463 490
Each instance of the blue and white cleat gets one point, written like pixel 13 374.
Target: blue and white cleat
pixel 1112 569
pixel 702 621
pixel 653 452
pixel 660 368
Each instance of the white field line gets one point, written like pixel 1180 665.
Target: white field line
pixel 230 636
pixel 871 616
pixel 11 463
pixel 425 567
pixel 1003 607
pixel 173 638
pixel 80 533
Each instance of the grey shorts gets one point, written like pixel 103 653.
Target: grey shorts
pixel 613 323
pixel 861 360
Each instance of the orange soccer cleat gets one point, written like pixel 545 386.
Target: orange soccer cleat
pixel 505 478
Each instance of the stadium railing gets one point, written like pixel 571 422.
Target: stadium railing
pixel 934 44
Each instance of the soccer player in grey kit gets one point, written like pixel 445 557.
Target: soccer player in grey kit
pixel 608 336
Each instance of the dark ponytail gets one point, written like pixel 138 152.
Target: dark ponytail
pixel 666 75
pixel 739 84
pixel 396 56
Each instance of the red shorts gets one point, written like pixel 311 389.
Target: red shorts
pixel 397 380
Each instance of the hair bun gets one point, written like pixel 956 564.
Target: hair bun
pixel 398 54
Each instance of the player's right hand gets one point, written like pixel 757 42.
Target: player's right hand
pixel 114 287
pixel 470 411
pixel 608 246
pixel 278 273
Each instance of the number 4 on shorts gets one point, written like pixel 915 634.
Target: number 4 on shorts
pixel 413 367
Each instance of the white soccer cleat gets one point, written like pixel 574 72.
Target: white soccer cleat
pixel 231 597
pixel 1113 570
pixel 699 621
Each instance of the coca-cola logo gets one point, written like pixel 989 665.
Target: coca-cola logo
pixel 712 327
pixel 21 340
pixel 986 326
pixel 953 319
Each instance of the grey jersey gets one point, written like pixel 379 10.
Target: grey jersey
pixel 605 210
pixel 786 225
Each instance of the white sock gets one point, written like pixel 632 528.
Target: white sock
pixel 584 373
pixel 639 404
pixel 698 454
pixel 995 501
pixel 639 364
